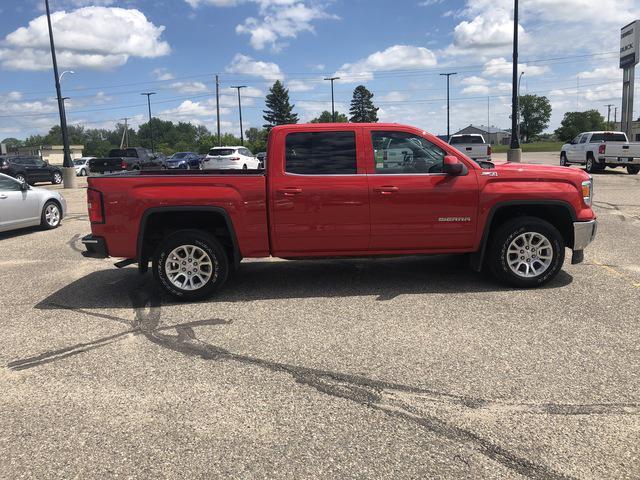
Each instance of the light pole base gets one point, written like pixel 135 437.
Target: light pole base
pixel 69 177
pixel 514 155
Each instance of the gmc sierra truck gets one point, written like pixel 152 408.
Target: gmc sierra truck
pixel 597 150
pixel 472 145
pixel 327 193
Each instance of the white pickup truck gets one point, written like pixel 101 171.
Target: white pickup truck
pixel 597 150
pixel 472 145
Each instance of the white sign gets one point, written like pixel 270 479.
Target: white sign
pixel 630 44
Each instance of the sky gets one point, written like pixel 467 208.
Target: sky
pixel 119 49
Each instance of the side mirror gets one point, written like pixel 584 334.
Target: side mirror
pixel 452 166
pixel 24 186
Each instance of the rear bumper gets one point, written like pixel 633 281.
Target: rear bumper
pixel 96 247
pixel 584 233
pixel 619 160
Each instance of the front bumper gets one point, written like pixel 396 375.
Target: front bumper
pixel 583 235
pixel 96 247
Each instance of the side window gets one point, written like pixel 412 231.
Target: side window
pixel 401 152
pixel 8 185
pixel 576 139
pixel 321 153
pixel 584 138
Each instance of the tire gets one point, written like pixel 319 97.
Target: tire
pixel 633 169
pixel 563 160
pixel 244 167
pixel 511 236
pixel 83 173
pixel 51 215
pixel 21 178
pixel 590 165
pixel 57 178
pixel 187 246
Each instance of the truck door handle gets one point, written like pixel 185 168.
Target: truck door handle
pixel 386 189
pixel 290 191
pixel 3 196
pixel 468 149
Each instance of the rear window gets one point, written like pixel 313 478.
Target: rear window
pixel 127 152
pixel 221 152
pixel 608 137
pixel 466 139
pixel 321 153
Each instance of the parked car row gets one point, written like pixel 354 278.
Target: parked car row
pixel 30 169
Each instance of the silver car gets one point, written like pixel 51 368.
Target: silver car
pixel 24 206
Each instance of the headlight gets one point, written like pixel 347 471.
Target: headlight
pixel 587 191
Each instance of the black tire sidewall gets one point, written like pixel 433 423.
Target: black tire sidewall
pixel 633 169
pixel 204 241
pixel 563 160
pixel 590 165
pixel 43 219
pixel 507 233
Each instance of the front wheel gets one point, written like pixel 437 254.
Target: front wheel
pixel 51 216
pixel 633 169
pixel 526 252
pixel 190 265
pixel 57 178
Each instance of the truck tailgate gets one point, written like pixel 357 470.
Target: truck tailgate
pixel 128 200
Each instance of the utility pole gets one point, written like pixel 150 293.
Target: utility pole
pixel 615 115
pixel 148 94
pixel 239 87
pixel 488 124
pixel 68 172
pixel 519 82
pixel 218 109
pixel 448 109
pixel 609 112
pixel 333 108
pixel 124 143
pixel 515 153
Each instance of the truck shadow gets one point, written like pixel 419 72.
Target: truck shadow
pixel 384 278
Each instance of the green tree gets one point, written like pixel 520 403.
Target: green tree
pixel 575 122
pixel 12 143
pixel 279 109
pixel 326 117
pixel 535 113
pixel 362 108
pixel 256 139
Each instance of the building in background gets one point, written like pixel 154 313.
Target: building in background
pixel 635 130
pixel 492 135
pixel 51 153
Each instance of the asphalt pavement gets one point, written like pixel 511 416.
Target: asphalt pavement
pixel 412 367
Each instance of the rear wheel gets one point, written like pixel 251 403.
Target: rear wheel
pixel 526 252
pixel 190 265
pixel 244 167
pixel 83 173
pixel 633 169
pixel 51 215
pixel 57 178
pixel 20 178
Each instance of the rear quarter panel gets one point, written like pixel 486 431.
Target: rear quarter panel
pixel 127 198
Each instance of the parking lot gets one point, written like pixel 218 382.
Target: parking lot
pixel 412 367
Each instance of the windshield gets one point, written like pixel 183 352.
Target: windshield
pixel 458 139
pixel 222 152
pixel 178 155
pixel 608 137
pixel 79 161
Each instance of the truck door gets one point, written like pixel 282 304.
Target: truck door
pixel 416 206
pixel 319 192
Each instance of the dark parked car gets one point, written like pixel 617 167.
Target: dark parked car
pixel 184 160
pixel 133 158
pixel 30 169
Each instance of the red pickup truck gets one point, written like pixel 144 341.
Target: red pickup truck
pixel 334 190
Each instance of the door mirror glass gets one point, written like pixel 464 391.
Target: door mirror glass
pixel 24 186
pixel 453 166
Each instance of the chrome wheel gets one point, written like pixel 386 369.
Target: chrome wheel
pixel 57 178
pixel 529 254
pixel 189 267
pixel 52 215
pixel 20 178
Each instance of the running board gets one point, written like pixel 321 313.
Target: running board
pixel 124 263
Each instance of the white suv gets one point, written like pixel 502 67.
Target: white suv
pixel 223 158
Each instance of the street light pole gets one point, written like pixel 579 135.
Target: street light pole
pixel 519 82
pixel 333 108
pixel 239 87
pixel 448 109
pixel 68 172
pixel 515 153
pixel 148 94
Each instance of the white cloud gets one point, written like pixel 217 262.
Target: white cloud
pixel 397 57
pixel 476 90
pixel 608 73
pixel 190 87
pixel 276 19
pixel 301 85
pixel 162 74
pixel 84 39
pixel 501 67
pixel 245 65
pixel 493 28
pixel 395 96
pixel 474 80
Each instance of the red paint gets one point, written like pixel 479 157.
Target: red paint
pixel 361 214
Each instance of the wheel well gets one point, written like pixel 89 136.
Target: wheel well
pixel 556 215
pixel 157 226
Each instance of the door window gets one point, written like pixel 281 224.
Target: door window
pixel 321 153
pixel 584 138
pixel 402 152
pixel 9 185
